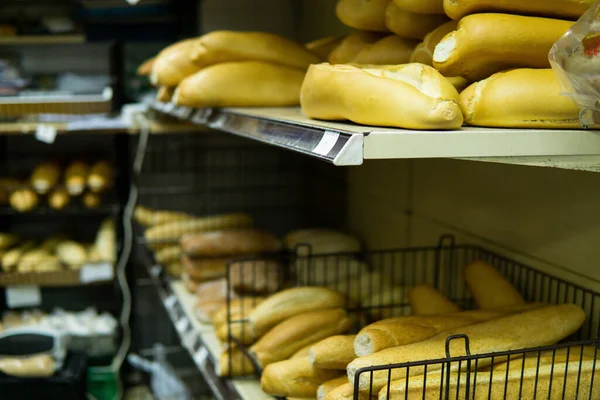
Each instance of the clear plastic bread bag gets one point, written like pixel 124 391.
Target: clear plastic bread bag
pixel 575 59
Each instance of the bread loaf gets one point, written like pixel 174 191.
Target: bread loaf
pixel 212 297
pixel 568 9
pixel 145 69
pixel 412 96
pixel 171 231
pixel 521 98
pixel 76 176
pixel 254 276
pixel 174 63
pixel 410 25
pixel 239 308
pixel 100 177
pixel 296 377
pixel 366 15
pixel 229 243
pixel 326 387
pixel 239 330
pixel 303 352
pixel 226 46
pixel 204 269
pixel 540 327
pixel 24 200
pixel 233 362
pixel 423 53
pixel 490 288
pixel 484 44
pixel 71 253
pixel 389 50
pixel 425 300
pixel 241 84
pixel 165 94
pixel 11 258
pixel 296 332
pixel 421 6
pixel 148 217
pixel 168 254
pixel 351 45
pixel 291 302
pixel 321 241
pixel 45 176
pixel 323 47
pixel 335 352
pixel 346 392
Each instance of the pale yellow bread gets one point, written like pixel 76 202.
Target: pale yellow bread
pixel 521 98
pixel 366 15
pixel 568 9
pixel 484 44
pixel 423 53
pixel 390 50
pixel 346 392
pixel 334 352
pixel 412 96
pixel 421 6
pixel 173 64
pixel 490 288
pixel 425 300
pixel 351 45
pixel 410 25
pixel 145 68
pixel 165 93
pixel 326 387
pixel 241 84
pixel 323 47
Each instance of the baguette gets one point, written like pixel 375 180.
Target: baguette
pixel 567 9
pixel 321 241
pixel 295 378
pixel 412 96
pixel 410 25
pixel 366 15
pixel 389 50
pixel 148 217
pixel 226 46
pixel 145 68
pixel 24 200
pixel 521 98
pixel 490 289
pixel 540 327
pixel 165 94
pixel 71 253
pixel 168 254
pixel 326 387
pixel 100 177
pixel 335 352
pixel 484 44
pixel 424 52
pixel 233 362
pixel 303 352
pixel 229 243
pixel 425 300
pixel 323 47
pixel 289 303
pixel 239 330
pixel 45 176
pixel 421 6
pixel 351 45
pixel 254 276
pixel 296 332
pixel 238 308
pixel 59 198
pixel 171 231
pixel 174 63
pixel 241 84
pixel 202 270
pixel 76 176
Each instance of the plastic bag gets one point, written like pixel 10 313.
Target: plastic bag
pixel 575 59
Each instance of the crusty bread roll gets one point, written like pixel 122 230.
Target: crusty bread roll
pixel 484 44
pixel 24 200
pixel 296 377
pixel 490 288
pixel 174 63
pixel 76 177
pixel 100 177
pixel 521 98
pixel 173 230
pixel 421 6
pixel 241 84
pixel 145 68
pixel 351 45
pixel 568 9
pixel 412 96
pixel 423 53
pixel 335 352
pixel 59 198
pixel 290 302
pixel 540 327
pixel 204 269
pixel 324 46
pixel 229 243
pixel 71 253
pixel 165 93
pixel 45 176
pixel 366 15
pixel 226 46
pixel 296 332
pixel 425 300
pixel 148 217
pixel 389 50
pixel 410 25
pixel 326 387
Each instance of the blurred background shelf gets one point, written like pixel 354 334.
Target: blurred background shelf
pixel 41 40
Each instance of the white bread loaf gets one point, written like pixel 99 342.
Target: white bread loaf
pixel 521 98
pixel 423 53
pixel 351 45
pixel 335 352
pixel 421 6
pixel 389 50
pixel 490 288
pixel 366 15
pixel 425 300
pixel 326 387
pixel 226 46
pixel 410 25
pixel 291 335
pixel 484 44
pixel 241 84
pixel 412 96
pixel 540 327
pixel 236 242
pixel 323 47
pixel 295 378
pixel 173 64
pixel 568 9
pixel 291 302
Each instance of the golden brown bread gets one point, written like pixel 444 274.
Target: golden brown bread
pixel 23 200
pixel 410 25
pixel 351 45
pixel 241 84
pixel 76 177
pixel 58 198
pixel 239 308
pixel 568 9
pixel 540 327
pixel 148 217
pixel 326 387
pixel 233 362
pixel 521 98
pixel 346 392
pixel 324 46
pixel 165 93
pixel 490 288
pixel 45 176
pixel 335 352
pixel 168 254
pixel 229 243
pixel 100 177
pixel 172 231
pixel 425 300
pixel 145 68
pixel 303 352
pixel 484 44
pixel 173 64
pixel 204 269
pixel 366 15
pixel 423 53
pixel 412 96
pixel 321 241
pixel 389 50
pixel 421 6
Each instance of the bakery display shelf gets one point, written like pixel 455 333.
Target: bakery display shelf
pixel 41 40
pixel 97 273
pixel 350 144
pixel 74 210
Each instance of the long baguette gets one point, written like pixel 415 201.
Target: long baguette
pixel 389 50
pixel 540 327
pixel 410 25
pixel 335 352
pixel 423 53
pixel 324 46
pixel 148 217
pixel 366 15
pixel 490 289
pixel 233 362
pixel 484 44
pixel 229 243
pixel 568 9
pixel 173 64
pixel 425 300
pixel 351 45
pixel 291 302
pixel 326 387
pixel 421 6
pixel 145 68
pixel 291 335
pixel 171 231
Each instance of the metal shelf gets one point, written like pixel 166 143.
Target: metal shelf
pixel 349 144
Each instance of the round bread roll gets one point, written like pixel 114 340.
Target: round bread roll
pixel 367 15
pixel 569 9
pixel 351 45
pixel 389 50
pixel 484 44
pixel 173 64
pixel 412 96
pixel 421 6
pixel 423 53
pixel 521 98
pixel 410 25
pixel 241 84
pixel 323 47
